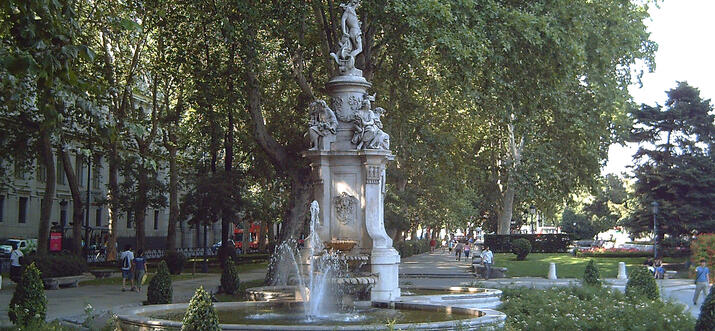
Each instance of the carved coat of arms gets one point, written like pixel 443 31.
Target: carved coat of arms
pixel 345 205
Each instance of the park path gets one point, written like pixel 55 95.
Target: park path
pixel 441 269
pixel 71 302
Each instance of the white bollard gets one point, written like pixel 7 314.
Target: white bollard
pixel 552 271
pixel 622 271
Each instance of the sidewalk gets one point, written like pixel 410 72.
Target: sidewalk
pixel 441 269
pixel 71 302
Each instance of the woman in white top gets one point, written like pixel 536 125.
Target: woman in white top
pixel 15 266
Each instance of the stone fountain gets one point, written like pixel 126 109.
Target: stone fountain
pixel 348 155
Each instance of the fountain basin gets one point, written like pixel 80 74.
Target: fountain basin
pixel 474 297
pixel 265 315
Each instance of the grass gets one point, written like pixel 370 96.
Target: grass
pixel 567 266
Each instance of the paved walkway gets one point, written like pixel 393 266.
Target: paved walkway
pixel 441 269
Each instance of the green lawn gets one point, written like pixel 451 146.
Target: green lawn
pixel 567 266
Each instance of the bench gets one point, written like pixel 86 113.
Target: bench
pixel 54 283
pixel 496 272
pixel 105 273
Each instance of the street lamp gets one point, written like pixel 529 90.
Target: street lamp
pixel 654 204
pixel 532 210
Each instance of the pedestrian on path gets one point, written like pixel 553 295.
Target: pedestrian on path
pixel 458 251
pixel 432 245
pixel 702 280
pixel 140 269
pixel 126 258
pixel 467 250
pixel 444 244
pixel 15 266
pixel 487 260
pixel 451 245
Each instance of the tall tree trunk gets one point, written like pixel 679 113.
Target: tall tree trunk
pixel 173 199
pixel 513 162
pixel 113 204
pixel 77 205
pixel 43 232
pixel 140 208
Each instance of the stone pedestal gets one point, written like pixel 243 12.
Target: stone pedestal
pixel 622 271
pixel 349 185
pixel 552 271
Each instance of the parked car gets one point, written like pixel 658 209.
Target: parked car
pixel 25 245
pixel 216 246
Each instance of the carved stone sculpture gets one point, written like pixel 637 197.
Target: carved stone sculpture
pixel 314 213
pixel 345 205
pixel 322 123
pixel 367 127
pixel 350 44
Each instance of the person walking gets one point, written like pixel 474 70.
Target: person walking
pixel 15 266
pixel 451 246
pixel 467 250
pixel 432 245
pixel 487 260
pixel 702 280
pixel 126 258
pixel 458 251
pixel 140 269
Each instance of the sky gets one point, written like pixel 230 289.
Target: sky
pixel 684 32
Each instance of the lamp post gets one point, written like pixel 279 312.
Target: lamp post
pixel 532 211
pixel 654 204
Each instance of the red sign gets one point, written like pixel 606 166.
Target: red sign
pixel 55 241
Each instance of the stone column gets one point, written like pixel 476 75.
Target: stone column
pixel 384 258
pixel 622 271
pixel 552 271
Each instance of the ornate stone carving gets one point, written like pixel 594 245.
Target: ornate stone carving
pixel 322 123
pixel 374 174
pixel 345 205
pixel 367 127
pixel 350 44
pixel 314 213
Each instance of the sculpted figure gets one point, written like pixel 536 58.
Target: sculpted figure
pixel 322 123
pixel 314 213
pixel 367 127
pixel 350 44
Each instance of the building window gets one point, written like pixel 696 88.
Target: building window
pixel 60 171
pixel 22 210
pixel 2 207
pixel 156 220
pixel 96 167
pixel 78 166
pixel 98 217
pixel 129 220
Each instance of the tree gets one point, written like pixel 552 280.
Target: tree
pixel 678 171
pixel 577 224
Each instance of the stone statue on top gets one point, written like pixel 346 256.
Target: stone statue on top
pixel 350 44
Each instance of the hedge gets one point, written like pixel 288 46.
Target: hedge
pixel 57 265
pixel 412 247
pixel 540 243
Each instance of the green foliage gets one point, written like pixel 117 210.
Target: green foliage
pixel 160 290
pixel 175 261
pixel 28 304
pixel 227 252
pixel 641 284
pixel 230 282
pixel 210 198
pixel 201 315
pixel 707 312
pixel 678 172
pixel 577 225
pixel 589 308
pixel 58 265
pixel 703 247
pixel 412 247
pixel 540 243
pixel 521 247
pixel 591 275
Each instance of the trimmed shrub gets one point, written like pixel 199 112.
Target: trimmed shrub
pixel 175 261
pixel 160 290
pixel 540 243
pixel 521 247
pixel 28 304
pixel 229 278
pixel 57 265
pixel 412 247
pixel 588 308
pixel 641 284
pixel 591 275
pixel 706 321
pixel 226 253
pixel 201 315
pixel 704 248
